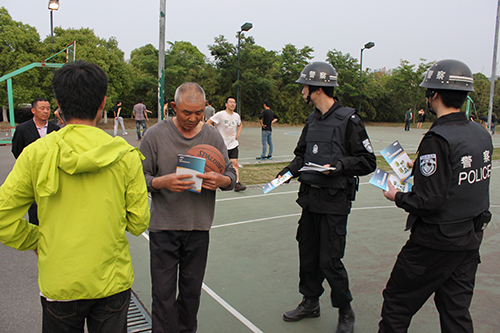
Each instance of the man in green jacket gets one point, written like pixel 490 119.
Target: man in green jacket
pixel 90 189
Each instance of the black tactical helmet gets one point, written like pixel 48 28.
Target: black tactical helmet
pixel 320 74
pixel 449 75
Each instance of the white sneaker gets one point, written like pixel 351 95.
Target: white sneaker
pixel 125 133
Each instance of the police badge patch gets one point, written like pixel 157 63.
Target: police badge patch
pixel 368 145
pixel 428 164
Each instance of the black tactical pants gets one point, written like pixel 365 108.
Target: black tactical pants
pixel 321 240
pixel 420 272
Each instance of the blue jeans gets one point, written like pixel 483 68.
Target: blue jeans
pixel 267 138
pixel 138 125
pixel 107 314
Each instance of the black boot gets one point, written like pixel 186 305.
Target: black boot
pixel 346 321
pixel 308 308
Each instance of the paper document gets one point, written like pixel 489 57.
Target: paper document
pixel 398 159
pixel 277 182
pixel 310 166
pixel 191 165
pixel 380 179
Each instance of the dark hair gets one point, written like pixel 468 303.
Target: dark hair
pixel 452 98
pixel 139 100
pixel 36 100
pixel 267 103
pixel 209 102
pixel 227 99
pixel 118 102
pixel 80 87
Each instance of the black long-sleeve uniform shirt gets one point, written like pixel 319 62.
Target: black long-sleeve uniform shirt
pixel 429 195
pixel 359 160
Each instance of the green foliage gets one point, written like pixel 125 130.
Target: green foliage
pixel 19 47
pixel 264 74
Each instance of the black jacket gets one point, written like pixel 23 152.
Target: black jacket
pixel 26 133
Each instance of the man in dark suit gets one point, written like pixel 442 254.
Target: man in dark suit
pixel 28 132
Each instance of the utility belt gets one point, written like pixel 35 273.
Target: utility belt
pixel 481 221
pixel 351 189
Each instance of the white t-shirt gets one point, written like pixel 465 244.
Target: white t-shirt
pixel 227 125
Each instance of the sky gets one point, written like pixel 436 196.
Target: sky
pixel 401 29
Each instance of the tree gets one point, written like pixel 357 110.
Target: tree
pixel 404 86
pixel 19 47
pixel 350 83
pixel 288 102
pixel 102 52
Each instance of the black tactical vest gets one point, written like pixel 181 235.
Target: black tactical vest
pixel 325 144
pixel 470 155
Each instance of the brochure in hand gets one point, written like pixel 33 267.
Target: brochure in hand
pixel 310 166
pixel 380 179
pixel 191 165
pixel 398 159
pixel 277 182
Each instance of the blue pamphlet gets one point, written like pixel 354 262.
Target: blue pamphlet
pixel 191 165
pixel 398 159
pixel 277 182
pixel 380 179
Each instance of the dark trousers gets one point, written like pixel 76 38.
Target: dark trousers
pixel 420 272
pixel 33 213
pixel 321 240
pixel 107 314
pixel 407 125
pixel 175 254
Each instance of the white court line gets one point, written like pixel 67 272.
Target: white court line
pixel 289 215
pixel 267 195
pixel 232 310
pixel 225 304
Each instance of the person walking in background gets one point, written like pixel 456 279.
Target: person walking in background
pixel 118 119
pixel 408 118
pixel 267 118
pixel 493 122
pixel 229 125
pixel 141 116
pixel 30 131
pixel 209 110
pixel 334 136
pixel 448 209
pixel 421 115
pixel 58 114
pixel 180 219
pixel 84 266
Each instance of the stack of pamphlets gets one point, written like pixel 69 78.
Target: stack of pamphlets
pixel 191 165
pixel 310 166
pixel 398 159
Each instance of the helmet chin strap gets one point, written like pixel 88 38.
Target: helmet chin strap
pixel 311 90
pixel 428 94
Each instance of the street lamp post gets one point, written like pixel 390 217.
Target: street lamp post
pixel 245 27
pixel 53 5
pixel 368 45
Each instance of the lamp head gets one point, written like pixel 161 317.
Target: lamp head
pixel 53 4
pixel 369 45
pixel 247 26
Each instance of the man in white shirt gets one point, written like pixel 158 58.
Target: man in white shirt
pixel 229 125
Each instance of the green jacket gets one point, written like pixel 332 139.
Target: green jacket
pixel 89 188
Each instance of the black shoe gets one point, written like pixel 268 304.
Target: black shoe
pixel 261 158
pixel 346 321
pixel 308 308
pixel 269 157
pixel 239 187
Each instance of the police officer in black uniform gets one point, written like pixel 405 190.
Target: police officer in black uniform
pixel 333 136
pixel 448 210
